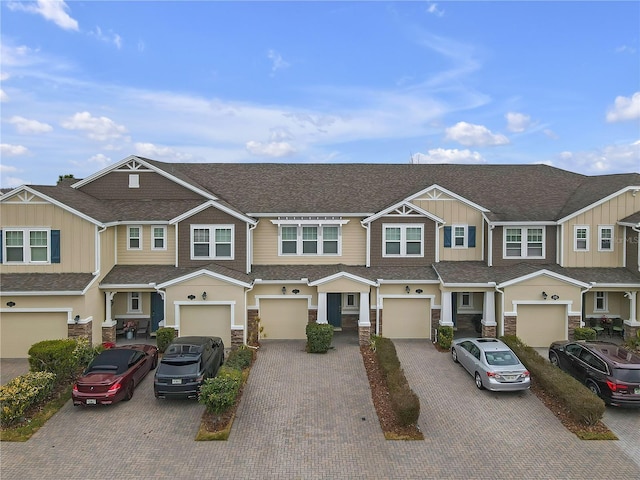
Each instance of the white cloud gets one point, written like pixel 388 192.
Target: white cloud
pixel 442 155
pixel 3 96
pixel 551 134
pixel 52 10
pixel 433 9
pixel 626 49
pixel 4 76
pixel 98 161
pixel 271 149
pixel 13 150
pixel 517 122
pixel 624 108
pixel 277 62
pixel 7 168
pixel 97 128
pixel 26 126
pixel 610 159
pixel 470 135
pixel 107 37
pixel 150 150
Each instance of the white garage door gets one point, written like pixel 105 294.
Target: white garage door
pixel 20 330
pixel 406 318
pixel 284 319
pixel 207 320
pixel 539 325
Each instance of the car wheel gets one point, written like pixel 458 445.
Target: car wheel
pixel 593 387
pixel 454 355
pixel 553 358
pixel 479 381
pixel 129 393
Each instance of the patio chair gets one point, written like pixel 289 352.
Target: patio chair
pixel 143 327
pixel 617 327
pixel 594 324
pixel 119 326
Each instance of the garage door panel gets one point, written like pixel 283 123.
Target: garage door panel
pixel 284 319
pixel 406 318
pixel 207 320
pixel 20 330
pixel 540 325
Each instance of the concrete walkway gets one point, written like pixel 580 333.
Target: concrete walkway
pixel 308 416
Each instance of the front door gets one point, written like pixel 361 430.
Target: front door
pixel 157 310
pixel 334 309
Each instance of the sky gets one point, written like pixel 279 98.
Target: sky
pixel 85 84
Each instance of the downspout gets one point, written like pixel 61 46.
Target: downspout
pixel 490 245
pixel 582 309
pixel 501 292
pixel 98 257
pixel 246 319
pixel 250 230
pixel 637 230
pixel 367 259
pixel 438 228
pixel 378 308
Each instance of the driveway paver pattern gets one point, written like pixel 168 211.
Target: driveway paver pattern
pixel 308 416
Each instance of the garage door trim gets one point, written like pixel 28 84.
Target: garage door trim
pixel 231 304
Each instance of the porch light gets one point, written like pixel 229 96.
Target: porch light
pixel 284 290
pixel 419 291
pixel 407 289
pixel 554 297
pixel 295 291
pixel 191 297
pixel 544 295
pixel 76 318
pixel 11 304
pixel 204 295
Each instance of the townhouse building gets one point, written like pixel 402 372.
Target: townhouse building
pixel 243 251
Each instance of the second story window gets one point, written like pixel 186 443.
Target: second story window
pixel 581 238
pixel 158 238
pixel 402 240
pixel 212 242
pixel 134 238
pixel 30 245
pixel 605 238
pixel 309 240
pixel 524 242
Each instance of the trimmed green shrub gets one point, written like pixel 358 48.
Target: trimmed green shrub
pixel 219 393
pixel 240 358
pixel 22 393
pixel 580 402
pixel 164 336
pixel 405 403
pixel 319 336
pixel 445 336
pixel 57 357
pixel 584 333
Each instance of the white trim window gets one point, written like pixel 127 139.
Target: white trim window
pixel 465 300
pixel 309 240
pixel 134 302
pixel 459 234
pixel 158 237
pixel 351 301
pixel 134 237
pixel 524 242
pixel 605 238
pixel 26 245
pixel 212 242
pixel 581 238
pixel 402 240
pixel 600 302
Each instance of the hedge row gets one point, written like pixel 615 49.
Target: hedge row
pixel 581 403
pixel 404 401
pixel 22 393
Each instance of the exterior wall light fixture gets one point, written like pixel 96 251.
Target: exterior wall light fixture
pixel 419 291
pixel 295 291
pixel 554 297
pixel 204 295
pixel 76 318
pixel 407 289
pixel 544 295
pixel 191 297
pixel 11 304
pixel 284 290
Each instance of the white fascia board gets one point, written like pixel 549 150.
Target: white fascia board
pixel 402 282
pixel 149 167
pixel 137 222
pixel 629 224
pixel 599 202
pixel 209 204
pixel 86 289
pixel 53 201
pixel 524 223
pixel 302 281
pixel 548 273
pixel 469 285
pixel 450 193
pixel 614 285
pixel 37 293
pixel 407 203
pixel 310 221
pixel 206 273
pixel 309 214
pixel 126 286
pixel 341 275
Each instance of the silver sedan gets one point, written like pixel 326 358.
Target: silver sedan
pixel 492 363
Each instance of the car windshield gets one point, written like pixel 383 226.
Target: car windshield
pixel 500 358
pixel 627 375
pixel 178 368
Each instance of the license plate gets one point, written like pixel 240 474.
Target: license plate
pixel 176 381
pixel 637 391
pixel 91 401
pixel 510 378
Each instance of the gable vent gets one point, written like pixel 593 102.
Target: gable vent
pixel 134 180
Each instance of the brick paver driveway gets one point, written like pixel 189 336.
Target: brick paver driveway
pixel 310 416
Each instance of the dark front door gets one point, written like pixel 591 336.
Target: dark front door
pixel 334 309
pixel 157 310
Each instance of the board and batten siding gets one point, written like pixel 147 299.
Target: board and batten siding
pixel 265 246
pixel 606 214
pixel 77 236
pixel 146 256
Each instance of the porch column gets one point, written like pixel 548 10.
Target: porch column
pixel 322 307
pixel 446 317
pixel 489 308
pixel 633 305
pixel 364 319
pixel 108 296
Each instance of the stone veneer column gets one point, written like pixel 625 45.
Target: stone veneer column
pixel 81 329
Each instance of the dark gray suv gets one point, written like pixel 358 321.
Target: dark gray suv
pixel 186 363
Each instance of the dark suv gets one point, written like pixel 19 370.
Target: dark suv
pixel 186 363
pixel 610 371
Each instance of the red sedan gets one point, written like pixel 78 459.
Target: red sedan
pixel 114 374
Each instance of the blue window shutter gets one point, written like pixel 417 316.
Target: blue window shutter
pixel 472 236
pixel 447 237
pixel 55 246
pixel 1 249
